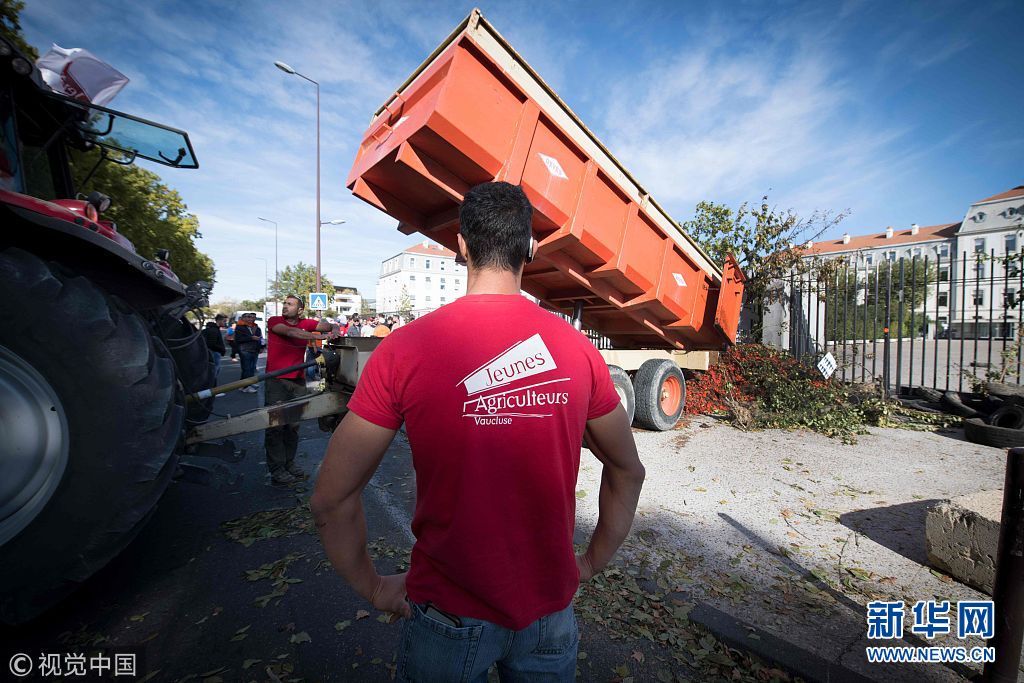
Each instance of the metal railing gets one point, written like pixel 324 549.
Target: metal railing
pixel 935 322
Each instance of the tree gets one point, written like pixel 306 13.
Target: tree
pixel 10 27
pixel 298 280
pixel 251 305
pixel 149 213
pixel 765 243
pixel 405 304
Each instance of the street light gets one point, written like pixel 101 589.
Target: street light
pixel 264 279
pixel 288 70
pixel 267 220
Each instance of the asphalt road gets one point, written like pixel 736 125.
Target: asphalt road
pixel 256 599
pixel 181 599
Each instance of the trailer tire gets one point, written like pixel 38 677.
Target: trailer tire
pixel 117 393
pixel 624 388
pixel 660 390
pixel 978 432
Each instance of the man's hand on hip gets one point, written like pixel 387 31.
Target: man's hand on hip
pixel 390 596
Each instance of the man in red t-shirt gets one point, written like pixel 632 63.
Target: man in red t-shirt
pixel 495 421
pixel 287 337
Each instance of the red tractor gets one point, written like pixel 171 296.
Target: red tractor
pixel 89 432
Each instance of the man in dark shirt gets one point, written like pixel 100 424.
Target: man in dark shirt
pixel 249 340
pixel 215 343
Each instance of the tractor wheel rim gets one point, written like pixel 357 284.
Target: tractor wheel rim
pixel 671 395
pixel 623 398
pixel 35 448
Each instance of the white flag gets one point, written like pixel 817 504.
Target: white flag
pixel 78 73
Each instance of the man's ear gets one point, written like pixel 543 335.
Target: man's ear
pixel 463 256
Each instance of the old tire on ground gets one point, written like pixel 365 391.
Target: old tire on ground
pixel 952 404
pixel 624 388
pixel 116 394
pixel 1003 390
pixel 1008 416
pixel 977 431
pixel 660 394
pixel 928 394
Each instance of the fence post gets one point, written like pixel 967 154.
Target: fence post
pixel 1009 584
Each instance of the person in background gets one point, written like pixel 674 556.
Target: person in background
pixel 288 335
pixel 381 330
pixel 250 342
pixel 215 343
pixel 354 328
pixel 229 337
pixel 367 328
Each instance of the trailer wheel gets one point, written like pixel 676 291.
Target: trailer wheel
pixel 624 388
pixel 84 485
pixel 660 394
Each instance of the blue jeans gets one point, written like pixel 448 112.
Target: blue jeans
pixel 248 362
pixel 432 651
pixel 215 357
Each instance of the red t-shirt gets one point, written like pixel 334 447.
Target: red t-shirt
pixel 495 393
pixel 284 351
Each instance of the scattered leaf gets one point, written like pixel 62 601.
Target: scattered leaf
pixel 300 637
pixel 362 614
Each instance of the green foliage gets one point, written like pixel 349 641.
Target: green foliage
pixel 764 241
pixel 10 27
pixel 298 280
pixel 251 305
pixel 405 304
pixel 152 215
pixel 859 305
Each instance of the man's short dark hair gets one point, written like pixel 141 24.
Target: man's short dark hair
pixel 496 223
pixel 302 304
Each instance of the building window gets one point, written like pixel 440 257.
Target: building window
pixel 944 250
pixel 869 259
pixel 428 297
pixel 891 256
pixel 442 284
pixel 1010 298
pixel 979 245
pixel 412 262
pixel 442 299
pixel 456 282
pixel 943 322
pixel 442 265
pixel 428 264
pixel 412 278
pixel 1013 267
pixel 943 299
pixel 1011 244
pixel 979 269
pixel 917 252
pixel 427 278
pixel 979 297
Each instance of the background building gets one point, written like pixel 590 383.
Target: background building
pixel 347 300
pixel 977 261
pixel 424 277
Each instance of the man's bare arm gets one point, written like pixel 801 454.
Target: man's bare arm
pixel 286 331
pixel 611 441
pixel 353 454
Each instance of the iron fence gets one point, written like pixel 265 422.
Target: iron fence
pixel 935 322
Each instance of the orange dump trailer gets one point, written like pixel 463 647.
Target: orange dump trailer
pixel 474 112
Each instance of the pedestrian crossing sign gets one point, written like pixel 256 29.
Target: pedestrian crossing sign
pixel 318 301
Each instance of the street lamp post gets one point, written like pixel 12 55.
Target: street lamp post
pixel 276 272
pixel 288 70
pixel 265 274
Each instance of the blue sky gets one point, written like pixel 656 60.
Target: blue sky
pixel 898 112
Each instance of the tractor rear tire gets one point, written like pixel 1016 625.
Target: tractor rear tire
pixel 118 396
pixel 660 394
